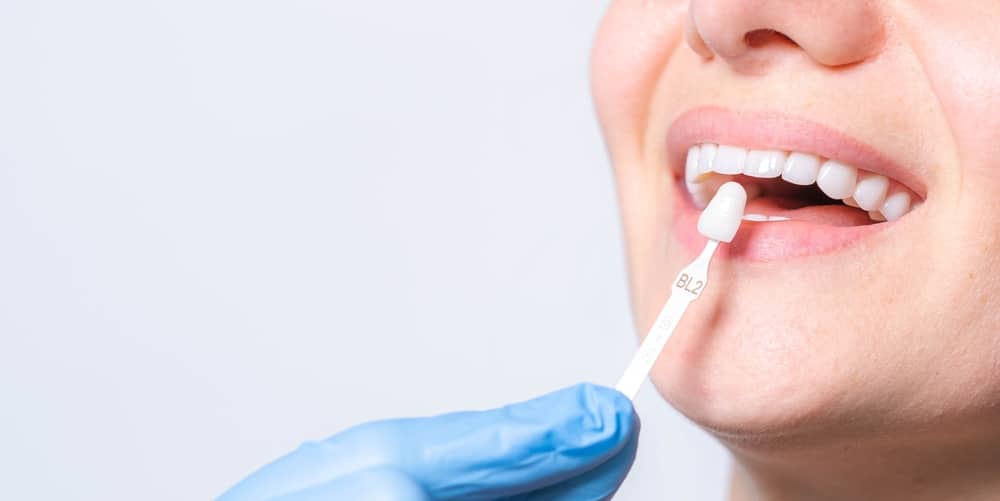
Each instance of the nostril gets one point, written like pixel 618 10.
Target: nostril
pixel 760 38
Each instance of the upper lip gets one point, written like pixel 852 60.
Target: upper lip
pixel 771 130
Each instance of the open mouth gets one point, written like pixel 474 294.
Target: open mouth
pixel 784 186
pixel 799 202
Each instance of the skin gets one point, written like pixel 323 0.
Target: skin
pixel 872 372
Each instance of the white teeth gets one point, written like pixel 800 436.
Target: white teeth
pixel 896 205
pixel 691 173
pixel 729 160
pixel 870 192
pixel 706 158
pixel 837 180
pixel 761 218
pixel 765 164
pixel 708 166
pixel 801 169
pixel 703 189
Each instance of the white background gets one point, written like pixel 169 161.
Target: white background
pixel 231 226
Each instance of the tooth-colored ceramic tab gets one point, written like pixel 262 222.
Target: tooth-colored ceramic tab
pixel 896 205
pixel 870 191
pixel 691 166
pixel 765 163
pixel 876 216
pixel 729 160
pixel 706 158
pixel 851 202
pixel 724 213
pixel 801 169
pixel 837 180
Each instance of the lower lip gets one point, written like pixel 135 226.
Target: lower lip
pixel 771 241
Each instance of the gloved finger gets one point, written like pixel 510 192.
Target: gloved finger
pixel 499 453
pixel 599 484
pixel 377 484
pixel 523 447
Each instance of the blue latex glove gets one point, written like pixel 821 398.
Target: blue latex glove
pixel 575 444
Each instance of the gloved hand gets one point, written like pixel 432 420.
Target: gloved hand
pixel 575 444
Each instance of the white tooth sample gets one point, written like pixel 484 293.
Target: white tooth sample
pixel 896 205
pixel 691 173
pixel 765 163
pixel 876 216
pixel 801 169
pixel 724 213
pixel 729 160
pixel 870 192
pixel 706 158
pixel 837 180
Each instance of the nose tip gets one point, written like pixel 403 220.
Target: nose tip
pixel 751 32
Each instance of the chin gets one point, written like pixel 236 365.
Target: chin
pixel 756 381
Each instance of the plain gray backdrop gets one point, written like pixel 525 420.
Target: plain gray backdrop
pixel 232 226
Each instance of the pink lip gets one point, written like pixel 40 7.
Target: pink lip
pixel 770 241
pixel 783 240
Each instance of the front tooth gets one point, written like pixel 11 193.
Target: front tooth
pixel 729 160
pixel 801 169
pixel 896 205
pixel 837 180
pixel 706 158
pixel 870 192
pixel 703 190
pixel 765 164
pixel 691 173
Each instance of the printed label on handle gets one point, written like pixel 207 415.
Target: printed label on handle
pixel 690 284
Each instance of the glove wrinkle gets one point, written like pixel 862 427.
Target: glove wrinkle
pixel 570 445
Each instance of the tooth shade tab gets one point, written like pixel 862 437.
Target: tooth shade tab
pixel 722 218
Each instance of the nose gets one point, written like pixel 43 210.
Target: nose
pixel 750 33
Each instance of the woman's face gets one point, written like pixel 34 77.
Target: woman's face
pixel 832 324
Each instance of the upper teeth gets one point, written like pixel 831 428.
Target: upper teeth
pixel 708 164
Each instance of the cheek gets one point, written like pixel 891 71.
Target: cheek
pixel 635 40
pixel 632 46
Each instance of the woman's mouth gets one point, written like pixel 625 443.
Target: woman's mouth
pixel 801 201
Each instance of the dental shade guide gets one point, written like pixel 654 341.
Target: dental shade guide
pixel 718 222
